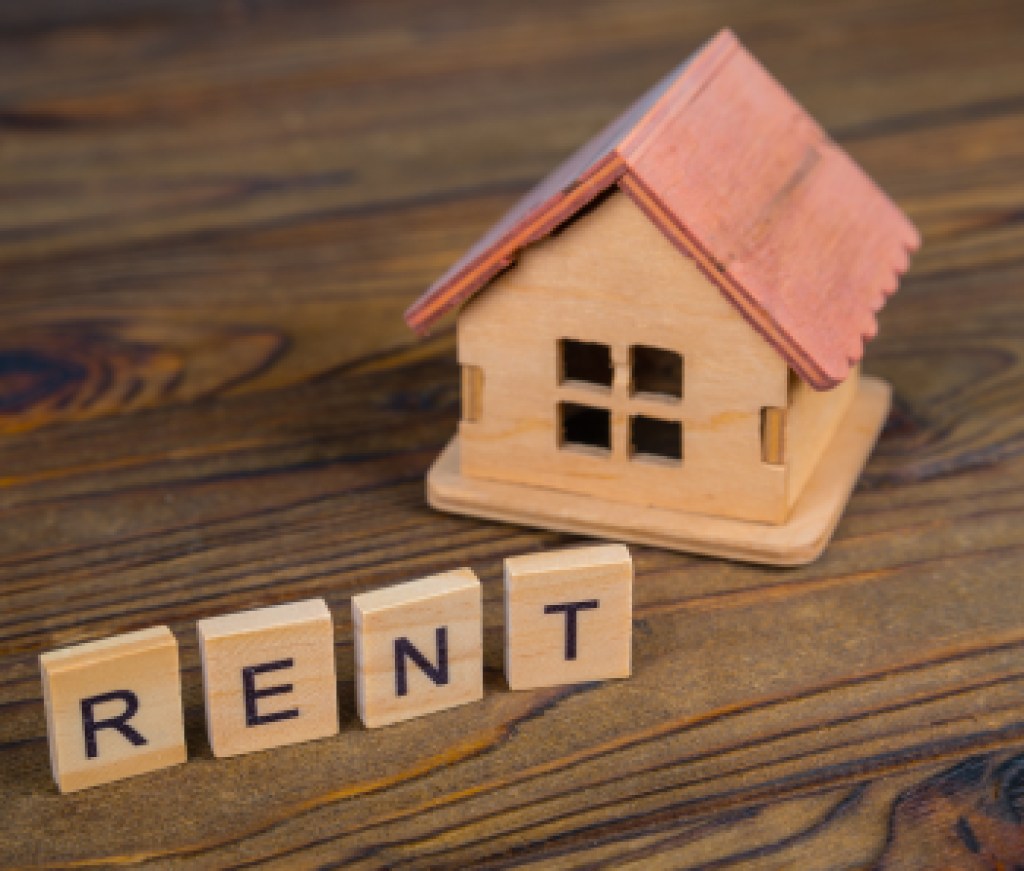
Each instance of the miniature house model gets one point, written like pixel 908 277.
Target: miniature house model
pixel 661 341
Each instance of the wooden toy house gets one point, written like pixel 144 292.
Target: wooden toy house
pixel 661 341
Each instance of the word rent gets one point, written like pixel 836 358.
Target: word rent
pixel 113 706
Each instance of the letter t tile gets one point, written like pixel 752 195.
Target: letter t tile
pixel 568 616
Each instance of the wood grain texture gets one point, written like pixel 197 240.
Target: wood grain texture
pixel 250 194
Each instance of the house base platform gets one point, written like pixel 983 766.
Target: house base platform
pixel 798 541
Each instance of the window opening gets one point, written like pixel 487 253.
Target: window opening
pixel 585 362
pixel 652 438
pixel 582 426
pixel 657 372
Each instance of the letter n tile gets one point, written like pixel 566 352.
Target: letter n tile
pixel 419 647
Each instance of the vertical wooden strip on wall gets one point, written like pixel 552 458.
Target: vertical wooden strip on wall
pixel 472 392
pixel 773 427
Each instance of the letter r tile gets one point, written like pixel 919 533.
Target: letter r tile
pixel 113 708
pixel 568 616
pixel 419 647
pixel 269 677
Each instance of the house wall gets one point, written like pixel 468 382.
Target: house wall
pixel 811 420
pixel 612 277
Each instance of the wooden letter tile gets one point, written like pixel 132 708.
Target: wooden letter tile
pixel 113 708
pixel 419 647
pixel 269 677
pixel 568 616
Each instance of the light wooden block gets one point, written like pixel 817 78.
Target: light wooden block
pixel 269 677
pixel 419 647
pixel 568 616
pixel 113 708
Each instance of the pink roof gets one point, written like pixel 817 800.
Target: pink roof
pixel 739 177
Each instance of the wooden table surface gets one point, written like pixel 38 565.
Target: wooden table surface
pixel 212 215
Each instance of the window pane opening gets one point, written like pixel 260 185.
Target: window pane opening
pixel 581 426
pixel 586 362
pixel 657 372
pixel 654 439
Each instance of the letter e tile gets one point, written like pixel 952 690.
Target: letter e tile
pixel 269 677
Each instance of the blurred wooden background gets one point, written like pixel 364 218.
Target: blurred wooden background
pixel 211 217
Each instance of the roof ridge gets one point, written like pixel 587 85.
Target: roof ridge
pixel 693 75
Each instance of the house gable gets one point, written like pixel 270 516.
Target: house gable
pixel 612 279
